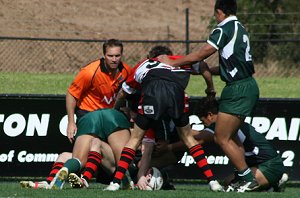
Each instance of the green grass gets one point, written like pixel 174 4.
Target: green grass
pixel 22 83
pixel 12 189
pixel 270 87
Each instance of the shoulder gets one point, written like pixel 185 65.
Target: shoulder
pixel 91 66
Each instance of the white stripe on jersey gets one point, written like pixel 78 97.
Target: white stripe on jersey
pixel 148 65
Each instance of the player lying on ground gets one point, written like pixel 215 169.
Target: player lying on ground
pixel 109 125
pixel 94 158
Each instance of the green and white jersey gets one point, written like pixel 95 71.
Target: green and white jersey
pixel 232 41
pixel 257 148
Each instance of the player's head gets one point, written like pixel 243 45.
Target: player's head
pixel 207 110
pixel 112 43
pixel 228 7
pixel 159 50
pixel 112 50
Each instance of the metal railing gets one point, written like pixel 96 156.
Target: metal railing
pixel 43 55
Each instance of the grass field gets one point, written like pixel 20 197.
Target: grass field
pixel 12 189
pixel 20 83
pixel 270 87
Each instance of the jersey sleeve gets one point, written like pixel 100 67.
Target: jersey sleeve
pixel 128 89
pixel 81 82
pixel 216 38
pixel 131 85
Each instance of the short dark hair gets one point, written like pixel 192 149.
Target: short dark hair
pixel 229 7
pixel 207 105
pixel 112 43
pixel 159 50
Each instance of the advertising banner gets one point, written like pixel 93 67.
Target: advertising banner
pixel 33 134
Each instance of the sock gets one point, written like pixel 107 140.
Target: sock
pixel 127 156
pixel 246 174
pixel 198 154
pixel 92 164
pixel 73 165
pixel 55 168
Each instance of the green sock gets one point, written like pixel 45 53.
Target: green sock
pixel 246 174
pixel 73 165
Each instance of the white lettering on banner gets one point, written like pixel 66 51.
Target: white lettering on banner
pixel 15 124
pixel 187 160
pixel 294 129
pixel 63 125
pixel 195 122
pixel 289 157
pixel 34 123
pixel 276 129
pixel 261 124
pixel 7 157
pixel 25 157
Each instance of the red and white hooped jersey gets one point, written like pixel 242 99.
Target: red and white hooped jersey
pixel 139 72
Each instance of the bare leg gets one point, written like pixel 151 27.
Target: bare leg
pixel 226 127
pixel 82 147
pixel 117 141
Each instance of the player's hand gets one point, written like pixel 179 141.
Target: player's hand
pixel 142 183
pixel 210 93
pixel 71 131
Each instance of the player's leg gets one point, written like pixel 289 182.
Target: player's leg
pixel 117 141
pixel 197 151
pixel 73 165
pixel 127 155
pixel 270 174
pixel 94 160
pixel 226 127
pixel 57 165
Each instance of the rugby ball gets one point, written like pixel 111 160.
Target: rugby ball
pixel 156 179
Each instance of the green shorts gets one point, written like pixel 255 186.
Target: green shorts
pixel 240 97
pixel 272 170
pixel 102 123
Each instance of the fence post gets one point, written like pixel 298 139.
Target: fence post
pixel 187 39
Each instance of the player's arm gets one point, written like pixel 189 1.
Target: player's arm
pixel 120 99
pixel 70 108
pixel 215 70
pixel 207 75
pixel 205 51
pixel 202 137
pixel 145 165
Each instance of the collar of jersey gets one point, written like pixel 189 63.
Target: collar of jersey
pixel 230 18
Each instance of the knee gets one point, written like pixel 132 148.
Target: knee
pixel 63 157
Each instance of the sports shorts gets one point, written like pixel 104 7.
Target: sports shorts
pixel 162 98
pixel 102 123
pixel 239 97
pixel 272 169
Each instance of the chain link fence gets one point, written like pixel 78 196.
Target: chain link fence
pixel 29 55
